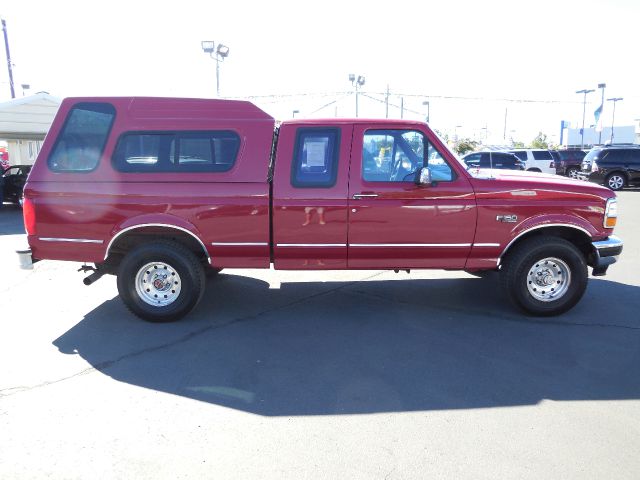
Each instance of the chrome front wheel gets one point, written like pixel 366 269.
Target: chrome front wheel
pixel 548 279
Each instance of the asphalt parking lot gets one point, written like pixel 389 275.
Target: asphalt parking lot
pixel 354 375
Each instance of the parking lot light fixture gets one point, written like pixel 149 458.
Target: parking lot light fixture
pixel 218 53
pixel 357 81
pixel 584 110
pixel 293 114
pixel 428 105
pixel 613 117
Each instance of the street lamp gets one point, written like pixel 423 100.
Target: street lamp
pixel 25 87
pixel 426 102
pixel 613 118
pixel 357 83
pixel 584 109
pixel 455 133
pixel 218 53
pixel 601 86
pixel 293 114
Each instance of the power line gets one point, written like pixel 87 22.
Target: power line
pixel 408 95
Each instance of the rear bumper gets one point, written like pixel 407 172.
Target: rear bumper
pixel 605 253
pixel 25 258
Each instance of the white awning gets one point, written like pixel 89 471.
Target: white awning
pixel 28 118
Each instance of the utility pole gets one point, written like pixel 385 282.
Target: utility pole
pixel 504 133
pixel 9 65
pixel 584 110
pixel 386 103
pixel 401 107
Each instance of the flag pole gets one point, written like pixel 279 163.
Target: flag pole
pixel 602 87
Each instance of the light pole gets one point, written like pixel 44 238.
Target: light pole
pixel 356 82
pixel 25 87
pixel 455 133
pixel 601 86
pixel 486 133
pixel 218 53
pixel 613 118
pixel 293 114
pixel 584 109
pixel 426 102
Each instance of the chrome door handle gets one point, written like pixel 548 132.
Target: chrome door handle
pixel 358 196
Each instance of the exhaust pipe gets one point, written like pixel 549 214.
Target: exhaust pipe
pixel 96 275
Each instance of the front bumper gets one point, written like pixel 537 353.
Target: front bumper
pixel 605 253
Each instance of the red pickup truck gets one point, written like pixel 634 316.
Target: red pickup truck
pixel 160 191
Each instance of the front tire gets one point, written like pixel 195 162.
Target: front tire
pixel 545 276
pixel 161 281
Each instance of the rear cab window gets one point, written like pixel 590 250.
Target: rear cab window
pixel 83 137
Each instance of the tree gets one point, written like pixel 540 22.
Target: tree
pixel 465 145
pixel 541 141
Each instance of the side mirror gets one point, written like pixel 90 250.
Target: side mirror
pixel 424 176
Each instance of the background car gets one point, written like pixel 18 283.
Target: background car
pixel 568 162
pixel 614 166
pixel 4 159
pixel 490 159
pixel 536 160
pixel 14 179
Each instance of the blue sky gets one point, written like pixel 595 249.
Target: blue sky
pixel 491 50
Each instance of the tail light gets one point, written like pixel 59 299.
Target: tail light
pixel 29 214
pixel 594 166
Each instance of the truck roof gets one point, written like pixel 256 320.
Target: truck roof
pixel 385 122
pixel 181 108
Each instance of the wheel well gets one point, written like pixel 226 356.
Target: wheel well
pixel 579 238
pixel 131 239
pixel 534 170
pixel 622 173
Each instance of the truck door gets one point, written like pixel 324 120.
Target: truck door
pixel 395 223
pixel 310 189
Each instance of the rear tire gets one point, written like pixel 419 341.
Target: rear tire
pixel 545 276
pixel 616 181
pixel 572 172
pixel 161 281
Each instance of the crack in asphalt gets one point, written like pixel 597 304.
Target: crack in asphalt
pixel 102 366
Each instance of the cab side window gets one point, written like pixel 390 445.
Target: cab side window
pixel 398 155
pixel 315 158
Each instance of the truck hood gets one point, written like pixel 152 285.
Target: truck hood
pixel 491 180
